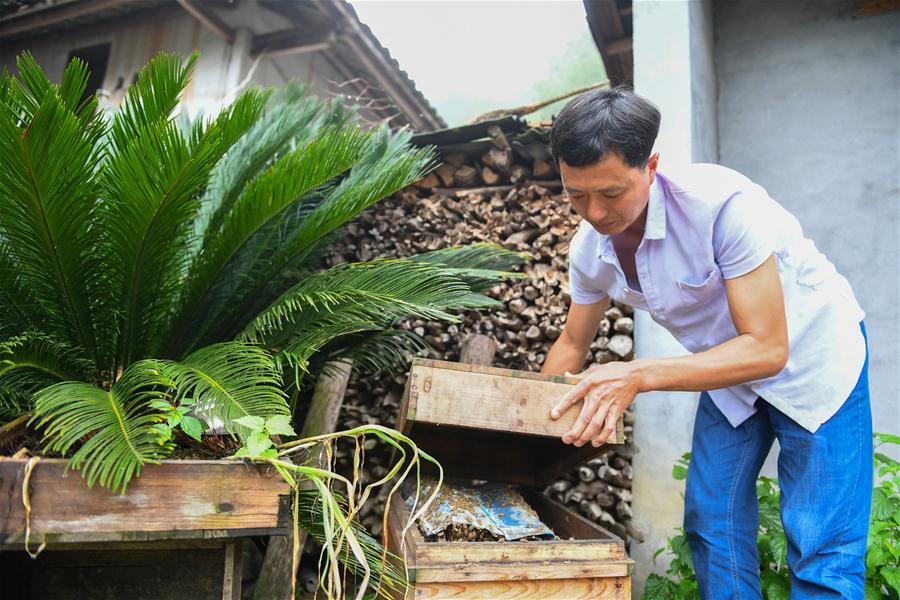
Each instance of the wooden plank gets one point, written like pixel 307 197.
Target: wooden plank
pixel 568 523
pixel 231 583
pixel 527 570
pixel 178 498
pixel 209 19
pixel 617 588
pixel 489 398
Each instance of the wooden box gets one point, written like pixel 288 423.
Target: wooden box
pixel 177 499
pixel 176 533
pixel 489 423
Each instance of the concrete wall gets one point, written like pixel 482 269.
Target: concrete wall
pixel 804 99
pixel 812 113
pixel 673 66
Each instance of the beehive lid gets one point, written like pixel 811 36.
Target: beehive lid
pixel 490 423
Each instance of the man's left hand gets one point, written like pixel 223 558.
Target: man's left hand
pixel 607 390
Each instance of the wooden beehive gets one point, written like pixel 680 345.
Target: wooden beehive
pixel 489 423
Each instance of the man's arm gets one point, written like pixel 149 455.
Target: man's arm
pixel 570 349
pixel 760 350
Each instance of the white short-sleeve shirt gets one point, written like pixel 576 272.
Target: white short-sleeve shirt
pixel 706 224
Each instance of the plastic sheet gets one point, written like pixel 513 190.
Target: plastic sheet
pixel 494 507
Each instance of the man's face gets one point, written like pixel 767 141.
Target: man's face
pixel 609 194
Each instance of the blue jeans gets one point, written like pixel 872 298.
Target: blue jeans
pixel 826 494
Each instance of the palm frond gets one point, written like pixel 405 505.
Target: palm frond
pixel 358 297
pixel 289 121
pixel 31 361
pixel 116 423
pixel 389 165
pixel 48 193
pixel 152 98
pixel 229 381
pixel 153 185
pixel 388 350
pixel 19 311
pixel 13 404
pixel 481 265
pixel 261 202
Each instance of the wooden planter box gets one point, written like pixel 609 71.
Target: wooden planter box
pixel 175 534
pixel 488 423
pixel 175 499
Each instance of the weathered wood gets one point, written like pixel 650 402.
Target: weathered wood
pixel 471 396
pixel 465 176
pixel 274 581
pixel 328 397
pixel 429 181
pixel 232 571
pixel 445 173
pixel 605 588
pixel 175 499
pixel 478 350
pixel 592 564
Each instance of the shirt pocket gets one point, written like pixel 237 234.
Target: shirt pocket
pixel 703 292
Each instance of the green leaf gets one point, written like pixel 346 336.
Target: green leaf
pixel 775 586
pixel 162 405
pixel 118 422
pixel 679 473
pixel 280 425
pixel 193 427
pixel 887 438
pixel 251 422
pixel 882 504
pixel 873 592
pixel 891 577
pixel 657 587
pixel 682 550
pixel 258 442
pixel 48 190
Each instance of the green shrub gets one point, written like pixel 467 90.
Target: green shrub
pixel 882 559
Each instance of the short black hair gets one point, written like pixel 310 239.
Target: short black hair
pixel 604 121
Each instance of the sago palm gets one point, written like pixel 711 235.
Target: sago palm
pixel 147 262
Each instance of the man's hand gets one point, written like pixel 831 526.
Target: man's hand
pixel 607 390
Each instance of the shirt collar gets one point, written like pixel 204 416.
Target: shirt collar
pixel 654 228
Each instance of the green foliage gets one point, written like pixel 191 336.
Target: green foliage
pixel 882 558
pixel 136 248
pixel 259 442
pixel 883 553
pixel 173 417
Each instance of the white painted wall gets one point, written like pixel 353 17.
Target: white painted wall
pixel 673 67
pixel 804 99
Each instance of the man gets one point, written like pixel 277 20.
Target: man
pixel 779 350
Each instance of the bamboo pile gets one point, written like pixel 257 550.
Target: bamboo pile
pixel 495 196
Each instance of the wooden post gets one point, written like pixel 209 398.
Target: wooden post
pixel 478 349
pixel 274 581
